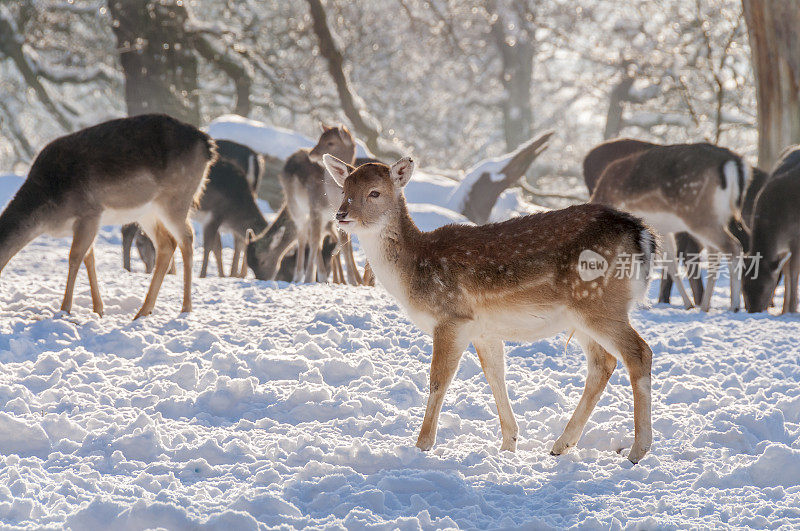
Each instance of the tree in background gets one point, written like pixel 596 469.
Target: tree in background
pixel 449 81
pixel 775 44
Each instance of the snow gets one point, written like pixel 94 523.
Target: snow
pixel 264 138
pixel 299 405
pixel 493 167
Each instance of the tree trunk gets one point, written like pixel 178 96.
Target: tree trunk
pixel 368 132
pixel 483 188
pixel 619 95
pixel 772 26
pixel 516 77
pixel 157 57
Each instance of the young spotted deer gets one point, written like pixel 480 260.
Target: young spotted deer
pixel 149 169
pixel 693 188
pixel 775 237
pixel 518 280
pixel 312 198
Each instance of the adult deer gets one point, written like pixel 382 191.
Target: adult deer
pixel 596 162
pixel 694 188
pixel 518 280
pixel 227 204
pixel 238 159
pixel 775 237
pixel 148 169
pixel 311 201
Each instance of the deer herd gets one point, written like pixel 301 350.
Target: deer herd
pixel 519 280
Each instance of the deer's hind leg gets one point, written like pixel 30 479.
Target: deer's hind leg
pixel 490 353
pixel 83 235
pixel 624 343
pixel 600 366
pixel 165 247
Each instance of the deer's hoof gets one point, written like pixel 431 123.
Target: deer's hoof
pixel 561 447
pixel 637 453
pixel 425 443
pixel 509 446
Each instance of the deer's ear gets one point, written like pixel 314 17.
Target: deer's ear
pixel 338 169
pixel 401 171
pixel 324 127
pixel 345 135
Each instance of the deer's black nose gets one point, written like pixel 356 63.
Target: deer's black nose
pixel 341 215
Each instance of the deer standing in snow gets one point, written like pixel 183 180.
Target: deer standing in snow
pixel 149 169
pixel 693 188
pixel 312 198
pixel 518 280
pixel 775 237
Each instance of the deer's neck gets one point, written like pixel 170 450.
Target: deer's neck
pixel 390 251
pixel 20 222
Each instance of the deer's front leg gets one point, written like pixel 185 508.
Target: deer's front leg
pixel 448 345
pixel 490 353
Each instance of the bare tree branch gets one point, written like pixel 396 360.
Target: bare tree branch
pixel 369 133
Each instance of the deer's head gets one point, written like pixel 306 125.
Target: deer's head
pixel 336 141
pixel 371 193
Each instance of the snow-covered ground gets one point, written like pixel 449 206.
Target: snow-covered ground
pixel 282 404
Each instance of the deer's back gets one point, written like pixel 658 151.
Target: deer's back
pixel 601 156
pixel 524 262
pixel 123 159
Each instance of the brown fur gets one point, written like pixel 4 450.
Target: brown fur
pixel 678 188
pixel 516 280
pixel 115 166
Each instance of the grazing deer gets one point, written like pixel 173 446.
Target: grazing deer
pixel 694 188
pixel 311 201
pixel 595 163
pixel 149 169
pixel 518 280
pixel 227 204
pixel 252 165
pixel 775 237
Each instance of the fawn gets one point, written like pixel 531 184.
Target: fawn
pixel 149 169
pixel 693 188
pixel 517 280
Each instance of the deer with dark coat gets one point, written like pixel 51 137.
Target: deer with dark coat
pixel 251 165
pixel 596 162
pixel 775 237
pixel 227 204
pixel 694 188
pixel 149 169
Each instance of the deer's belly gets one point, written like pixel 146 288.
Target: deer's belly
pixel 122 216
pixel 521 324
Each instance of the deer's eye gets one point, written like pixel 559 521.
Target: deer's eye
pixel 374 193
